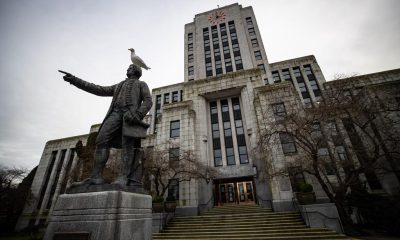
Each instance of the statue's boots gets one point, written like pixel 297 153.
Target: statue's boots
pixel 126 166
pixel 100 160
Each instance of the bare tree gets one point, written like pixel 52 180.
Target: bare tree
pixel 163 167
pixel 370 116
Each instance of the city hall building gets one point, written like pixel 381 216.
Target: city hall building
pixel 229 95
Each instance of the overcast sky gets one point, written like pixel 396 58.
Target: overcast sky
pixel 90 38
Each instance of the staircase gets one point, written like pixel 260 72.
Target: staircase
pixel 243 222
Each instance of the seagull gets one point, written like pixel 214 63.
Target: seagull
pixel 136 60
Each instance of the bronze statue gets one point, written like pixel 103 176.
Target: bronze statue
pixel 122 127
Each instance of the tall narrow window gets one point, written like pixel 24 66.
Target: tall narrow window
pixel 190 70
pixel 190 37
pixel 215 134
pixel 57 176
pixel 254 43
pixel 166 98
pixel 230 154
pixel 252 32
pixel 157 112
pixel 288 143
pixel 249 21
pixel 175 129
pixel 262 68
pixel 228 65
pixel 174 157
pixel 47 178
pixel 286 75
pixel 175 96
pixel 190 47
pixel 67 169
pixel 276 77
pixel 302 85
pixel 238 63
pixel 313 81
pixel 190 58
pixel 257 55
pixel 240 137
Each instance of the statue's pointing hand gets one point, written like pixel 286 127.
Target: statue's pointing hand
pixel 68 77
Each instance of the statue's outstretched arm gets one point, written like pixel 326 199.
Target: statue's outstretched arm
pixel 89 87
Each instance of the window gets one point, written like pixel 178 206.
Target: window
pixel 279 111
pixel 209 71
pixel 190 47
pixel 238 63
pixel 207 43
pixel 296 72
pixel 288 143
pixel 286 75
pixel 166 98
pixel 175 96
pixel 254 43
pixel 262 68
pixel 190 37
pixel 205 32
pixel 215 134
pixel 226 49
pixel 252 32
pixel 249 21
pixel 228 65
pixel 233 36
pixel 218 67
pixel 341 151
pixel 222 28
pixel 173 189
pixel 181 96
pixel 235 47
pixel 276 77
pixel 47 178
pixel 315 88
pixel 230 155
pixel 240 137
pixel 207 54
pixel 190 58
pixel 257 55
pixel 323 154
pixel 174 157
pixel 157 112
pixel 175 128
pixel 266 81
pixel 190 70
pixel 55 181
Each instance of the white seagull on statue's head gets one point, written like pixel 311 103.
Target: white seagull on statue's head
pixel 136 60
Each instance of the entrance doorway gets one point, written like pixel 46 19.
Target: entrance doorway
pixel 234 192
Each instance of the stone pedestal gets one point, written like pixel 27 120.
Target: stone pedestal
pixel 110 215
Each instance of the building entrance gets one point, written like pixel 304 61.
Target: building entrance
pixel 235 192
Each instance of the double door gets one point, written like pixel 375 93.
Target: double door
pixel 236 193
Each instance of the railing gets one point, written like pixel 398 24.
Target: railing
pixel 306 218
pixel 205 206
pixel 260 199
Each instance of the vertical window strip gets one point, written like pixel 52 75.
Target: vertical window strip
pixel 240 137
pixel 230 154
pixel 157 112
pixel 55 182
pixel 47 178
pixel 215 134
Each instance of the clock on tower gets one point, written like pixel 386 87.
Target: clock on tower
pixel 217 17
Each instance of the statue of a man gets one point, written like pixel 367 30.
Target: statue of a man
pixel 122 127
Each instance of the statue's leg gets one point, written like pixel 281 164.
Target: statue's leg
pixel 136 175
pixel 127 156
pixel 100 159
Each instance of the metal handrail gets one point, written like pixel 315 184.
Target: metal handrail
pixel 296 206
pixel 265 200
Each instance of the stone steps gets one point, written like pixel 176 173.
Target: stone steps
pixel 244 223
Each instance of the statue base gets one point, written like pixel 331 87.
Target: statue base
pixel 85 188
pixel 113 215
